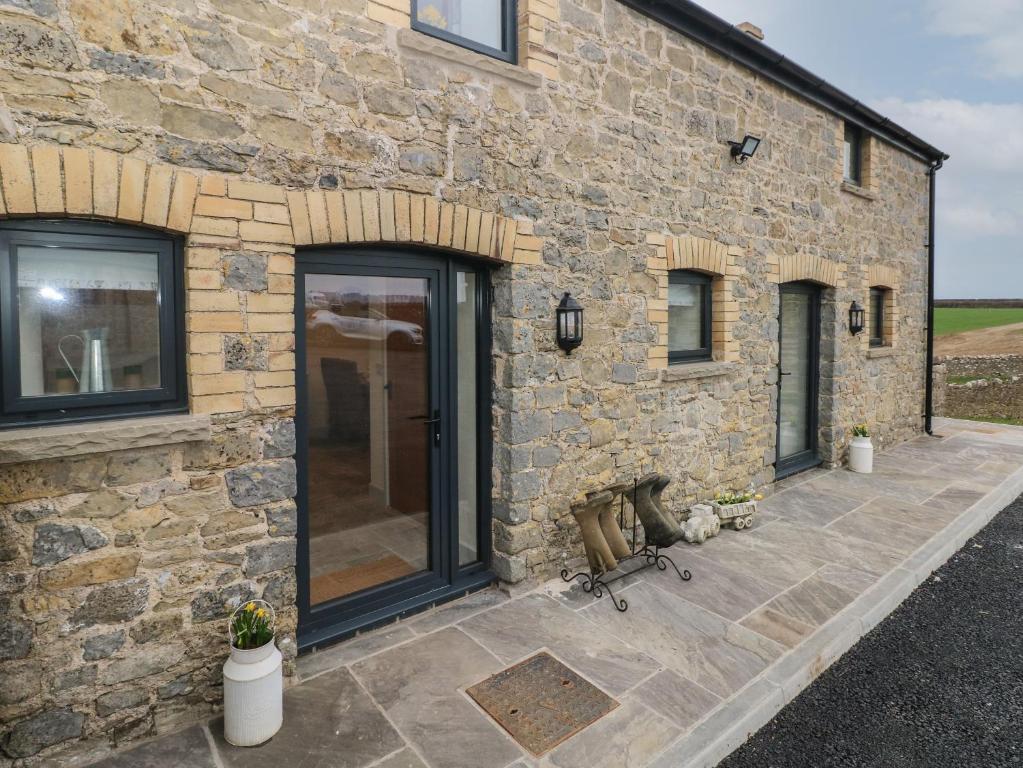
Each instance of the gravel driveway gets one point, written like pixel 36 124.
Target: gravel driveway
pixel 938 683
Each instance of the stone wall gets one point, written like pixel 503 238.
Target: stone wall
pixel 981 387
pixel 118 569
pixel 273 109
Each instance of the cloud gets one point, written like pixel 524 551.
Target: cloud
pixel 995 25
pixel 980 136
pixel 980 191
pixel 979 221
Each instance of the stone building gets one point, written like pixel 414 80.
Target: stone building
pixel 416 183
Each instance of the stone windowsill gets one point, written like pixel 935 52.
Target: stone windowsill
pixel 856 189
pixel 418 42
pixel 876 352
pixel 701 370
pixel 60 440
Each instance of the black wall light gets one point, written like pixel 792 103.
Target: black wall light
pixel 569 323
pixel 857 319
pixel 745 149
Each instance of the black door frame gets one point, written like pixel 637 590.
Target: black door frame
pixel 810 457
pixel 445 579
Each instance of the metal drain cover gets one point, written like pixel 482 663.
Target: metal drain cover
pixel 541 702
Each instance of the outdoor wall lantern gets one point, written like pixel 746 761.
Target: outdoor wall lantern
pixel 569 323
pixel 745 149
pixel 857 319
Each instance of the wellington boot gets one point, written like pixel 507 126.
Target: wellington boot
pixel 598 552
pixel 660 529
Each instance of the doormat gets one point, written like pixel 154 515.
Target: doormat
pixel 541 702
pixel 357 578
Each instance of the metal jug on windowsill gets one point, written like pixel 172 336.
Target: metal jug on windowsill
pixel 95 375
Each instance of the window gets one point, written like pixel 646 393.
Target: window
pixel 689 316
pixel 852 156
pixel 487 26
pixel 877 312
pixel 91 322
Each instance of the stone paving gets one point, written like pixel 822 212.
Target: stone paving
pixel 696 666
pixel 952 662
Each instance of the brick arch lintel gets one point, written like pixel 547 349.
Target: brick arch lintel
pixel 326 217
pixel 52 180
pixel 697 253
pixel 882 276
pixel 814 269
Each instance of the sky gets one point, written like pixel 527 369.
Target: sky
pixel 950 71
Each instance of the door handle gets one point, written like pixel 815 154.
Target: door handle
pixel 435 421
pixel 783 373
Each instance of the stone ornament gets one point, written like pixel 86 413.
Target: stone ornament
pixel 702 524
pixel 738 516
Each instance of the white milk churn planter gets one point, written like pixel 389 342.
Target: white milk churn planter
pixel 253 678
pixel 861 451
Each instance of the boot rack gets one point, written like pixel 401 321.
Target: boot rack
pixel 595 581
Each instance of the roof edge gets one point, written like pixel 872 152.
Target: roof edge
pixel 704 27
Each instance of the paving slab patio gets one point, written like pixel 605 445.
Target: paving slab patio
pixel 696 666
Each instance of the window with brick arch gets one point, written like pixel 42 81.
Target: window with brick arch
pixel 91 322
pixel 878 318
pixel 690 315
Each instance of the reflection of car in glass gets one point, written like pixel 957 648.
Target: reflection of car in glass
pixel 370 324
pixel 316 299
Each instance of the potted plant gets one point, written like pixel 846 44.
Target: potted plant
pixel 736 508
pixel 253 679
pixel 861 450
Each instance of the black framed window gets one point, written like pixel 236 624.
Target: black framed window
pixel 486 26
pixel 689 316
pixel 91 322
pixel 877 312
pixel 852 155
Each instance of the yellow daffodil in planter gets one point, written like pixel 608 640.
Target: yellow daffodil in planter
pixel 736 508
pixel 861 450
pixel 253 679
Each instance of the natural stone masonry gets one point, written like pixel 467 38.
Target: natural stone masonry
pixel 981 387
pixel 252 127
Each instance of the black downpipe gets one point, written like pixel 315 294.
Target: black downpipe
pixel 929 390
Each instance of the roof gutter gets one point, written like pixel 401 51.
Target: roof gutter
pixel 932 174
pixel 717 34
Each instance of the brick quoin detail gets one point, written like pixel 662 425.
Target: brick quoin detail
pixel 699 254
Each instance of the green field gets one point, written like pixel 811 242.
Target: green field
pixel 956 320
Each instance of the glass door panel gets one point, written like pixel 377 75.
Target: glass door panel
pixel 370 431
pixel 793 436
pixel 798 364
pixel 466 365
